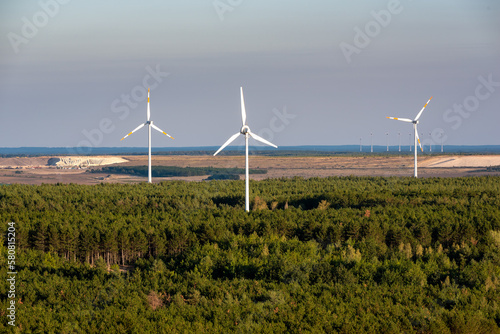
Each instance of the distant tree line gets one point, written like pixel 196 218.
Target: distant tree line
pixel 170 171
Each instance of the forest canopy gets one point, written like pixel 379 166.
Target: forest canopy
pixel 339 255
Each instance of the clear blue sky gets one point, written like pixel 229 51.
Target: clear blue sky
pixel 313 73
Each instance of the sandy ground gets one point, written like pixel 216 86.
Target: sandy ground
pixel 23 162
pixel 463 161
pixel 429 166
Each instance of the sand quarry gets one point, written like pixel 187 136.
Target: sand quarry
pixel 74 169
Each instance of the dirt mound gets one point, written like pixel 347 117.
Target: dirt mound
pixel 72 161
pixel 69 161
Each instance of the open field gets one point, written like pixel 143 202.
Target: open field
pixel 36 170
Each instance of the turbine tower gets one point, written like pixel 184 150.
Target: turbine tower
pixel 245 130
pixel 150 125
pixel 415 122
pixel 399 135
pixel 430 143
pixel 371 139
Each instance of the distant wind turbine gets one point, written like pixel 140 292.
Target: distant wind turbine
pixel 150 124
pixel 245 130
pixel 371 142
pixel 416 138
pixel 430 143
pixel 399 135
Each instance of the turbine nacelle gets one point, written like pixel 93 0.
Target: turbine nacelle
pixel 244 129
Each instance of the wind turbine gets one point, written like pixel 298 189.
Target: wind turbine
pixel 415 122
pixel 150 125
pixel 245 130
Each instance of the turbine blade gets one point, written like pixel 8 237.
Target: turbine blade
pixel 160 130
pixel 262 140
pixel 137 128
pixel 420 113
pixel 148 111
pixel 401 119
pixel 418 139
pixel 243 111
pixel 229 141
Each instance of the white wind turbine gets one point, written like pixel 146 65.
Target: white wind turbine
pixel 245 130
pixel 416 138
pixel 150 124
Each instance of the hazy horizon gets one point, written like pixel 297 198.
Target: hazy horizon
pixel 142 150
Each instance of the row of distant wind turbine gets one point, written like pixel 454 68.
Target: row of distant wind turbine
pixel 399 144
pixel 245 130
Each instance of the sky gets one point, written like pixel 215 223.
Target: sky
pixel 75 73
